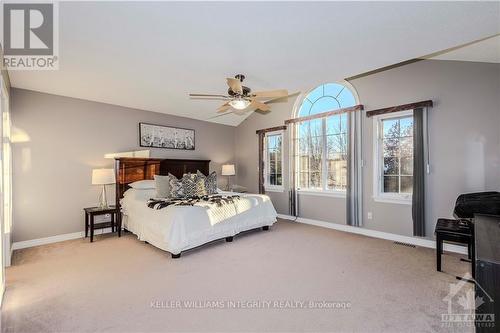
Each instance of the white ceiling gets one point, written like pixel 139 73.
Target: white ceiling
pixel 487 50
pixel 151 55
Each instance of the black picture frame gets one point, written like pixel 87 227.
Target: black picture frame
pixel 161 136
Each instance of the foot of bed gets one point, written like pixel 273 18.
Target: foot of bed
pixel 176 256
pixel 266 227
pixel 229 239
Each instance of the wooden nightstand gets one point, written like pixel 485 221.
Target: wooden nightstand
pixel 91 212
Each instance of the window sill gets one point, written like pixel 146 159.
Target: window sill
pixel 274 188
pixel 393 200
pixel 331 194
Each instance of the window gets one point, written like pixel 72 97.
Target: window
pixel 273 159
pixel 322 142
pixel 394 153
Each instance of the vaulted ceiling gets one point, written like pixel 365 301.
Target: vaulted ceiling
pixel 150 55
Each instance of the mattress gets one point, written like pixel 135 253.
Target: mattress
pixel 179 228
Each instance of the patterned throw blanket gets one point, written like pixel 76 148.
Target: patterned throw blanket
pixel 219 200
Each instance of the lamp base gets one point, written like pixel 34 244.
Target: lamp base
pixel 103 201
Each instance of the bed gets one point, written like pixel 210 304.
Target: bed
pixel 176 229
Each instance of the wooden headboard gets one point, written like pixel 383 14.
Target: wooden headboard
pixel 129 170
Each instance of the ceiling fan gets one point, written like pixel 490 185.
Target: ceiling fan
pixel 240 97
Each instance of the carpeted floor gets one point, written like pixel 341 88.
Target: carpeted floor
pixel 123 285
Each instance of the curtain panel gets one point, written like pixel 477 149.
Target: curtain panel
pixel 418 198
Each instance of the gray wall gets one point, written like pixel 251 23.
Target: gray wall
pixel 60 140
pixel 464 140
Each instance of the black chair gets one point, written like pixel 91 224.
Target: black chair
pixel 457 231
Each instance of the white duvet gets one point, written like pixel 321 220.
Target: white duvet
pixel 178 228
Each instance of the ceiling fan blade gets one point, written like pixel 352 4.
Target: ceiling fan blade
pixel 255 104
pixel 235 85
pixel 271 93
pixel 224 107
pixel 207 95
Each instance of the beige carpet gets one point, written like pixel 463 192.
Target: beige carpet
pixel 110 285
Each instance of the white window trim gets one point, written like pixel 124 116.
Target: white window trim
pixel 378 195
pixel 268 187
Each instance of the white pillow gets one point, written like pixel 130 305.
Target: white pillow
pixel 143 185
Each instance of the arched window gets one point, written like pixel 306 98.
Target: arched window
pixel 322 142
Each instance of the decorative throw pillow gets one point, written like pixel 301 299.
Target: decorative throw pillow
pixel 210 181
pixel 192 185
pixel 176 190
pixel 162 186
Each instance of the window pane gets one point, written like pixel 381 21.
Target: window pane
pixel 391 146
pixel 304 129
pixel 279 179
pixel 315 180
pixel 272 179
pixel 407 165
pixel 303 163
pixel 324 104
pixel 406 184
pixel 278 141
pixel 334 89
pixel 303 146
pixel 304 180
pixel 336 144
pixel 271 142
pixel 406 126
pixel 391 166
pixel 391 184
pixel 316 127
pixel 333 125
pixel 391 128
pixel 305 108
pixel 272 166
pixel 406 146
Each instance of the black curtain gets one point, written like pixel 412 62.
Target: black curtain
pixel 418 198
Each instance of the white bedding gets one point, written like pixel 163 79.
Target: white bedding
pixel 178 228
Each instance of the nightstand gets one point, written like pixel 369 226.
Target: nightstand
pixel 92 212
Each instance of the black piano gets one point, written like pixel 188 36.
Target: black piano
pixel 483 212
pixel 461 229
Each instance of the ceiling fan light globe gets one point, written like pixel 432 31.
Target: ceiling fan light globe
pixel 239 104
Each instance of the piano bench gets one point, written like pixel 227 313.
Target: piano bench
pixel 457 231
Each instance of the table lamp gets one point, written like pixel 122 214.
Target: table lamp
pixel 228 170
pixel 103 177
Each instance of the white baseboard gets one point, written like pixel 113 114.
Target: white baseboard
pixel 377 234
pixel 54 239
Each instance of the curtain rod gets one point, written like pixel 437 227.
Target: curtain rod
pixel 271 129
pixel 398 108
pixel 325 114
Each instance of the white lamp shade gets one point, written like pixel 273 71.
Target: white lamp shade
pixel 228 170
pixel 103 176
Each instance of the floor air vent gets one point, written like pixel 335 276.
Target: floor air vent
pixel 405 244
